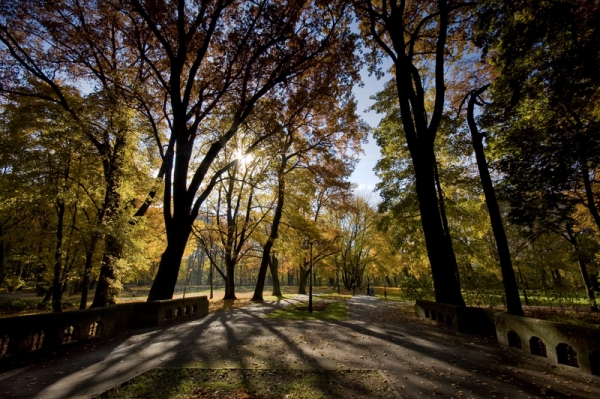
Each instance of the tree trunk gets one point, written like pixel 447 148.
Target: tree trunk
pixel 58 259
pixel 2 267
pixel 570 236
pixel 163 285
pixel 210 278
pixel 589 194
pixel 273 266
pixel 273 235
pixel 87 271
pixel 302 281
pixel 109 216
pixel 229 280
pixel 443 264
pixel 200 268
pixel 513 301
pixel 106 291
pixel 420 131
pixel 438 186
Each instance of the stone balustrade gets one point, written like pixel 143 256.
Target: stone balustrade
pixel 22 335
pixel 464 319
pixel 561 344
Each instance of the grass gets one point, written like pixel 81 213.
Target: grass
pixel 334 296
pixel 322 310
pixel 391 294
pixel 173 383
pixel 12 306
pixel 25 303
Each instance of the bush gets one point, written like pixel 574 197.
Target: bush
pixel 15 305
pixel 415 288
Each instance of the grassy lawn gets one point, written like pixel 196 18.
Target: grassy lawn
pixel 25 302
pixel 322 310
pixel 253 384
pixel 334 296
pixel 393 294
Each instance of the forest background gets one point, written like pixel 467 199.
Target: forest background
pixel 170 145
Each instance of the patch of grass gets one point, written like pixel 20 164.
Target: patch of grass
pixel 19 306
pixel 334 296
pixel 565 316
pixel 273 298
pixel 299 311
pixel 391 294
pixel 253 384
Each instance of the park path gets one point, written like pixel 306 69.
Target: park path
pixel 417 358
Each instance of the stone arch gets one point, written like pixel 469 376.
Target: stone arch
pixel 4 341
pixel 514 341
pixel 538 347
pixel 70 334
pixel 37 340
pixel 566 355
pixel 95 329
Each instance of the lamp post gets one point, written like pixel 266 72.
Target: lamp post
pixel 308 245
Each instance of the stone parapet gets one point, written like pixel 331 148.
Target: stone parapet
pixel 561 344
pixel 24 335
pixel 461 318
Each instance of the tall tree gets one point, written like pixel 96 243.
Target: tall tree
pixel 219 57
pixel 546 98
pixel 47 48
pixel 316 122
pixel 509 280
pixel 241 206
pixel 419 37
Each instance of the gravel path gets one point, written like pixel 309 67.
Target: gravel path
pixel 417 358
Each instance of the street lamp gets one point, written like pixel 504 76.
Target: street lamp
pixel 308 245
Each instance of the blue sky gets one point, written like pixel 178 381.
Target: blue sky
pixel 363 175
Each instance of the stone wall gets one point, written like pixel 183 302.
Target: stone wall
pixel 464 319
pixel 561 344
pixel 23 335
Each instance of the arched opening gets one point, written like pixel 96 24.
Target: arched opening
pixel 566 355
pixel 95 329
pixel 187 311
pixel 4 340
pixel 178 312
pixel 70 334
pixel 426 313
pixel 538 347
pixel 194 309
pixel 37 341
pixel 514 341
